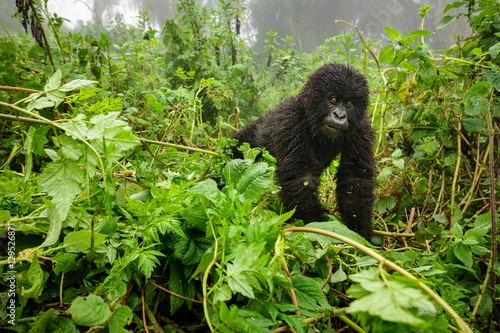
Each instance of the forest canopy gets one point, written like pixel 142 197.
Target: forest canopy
pixel 123 209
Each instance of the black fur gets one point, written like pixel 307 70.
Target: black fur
pixel 296 135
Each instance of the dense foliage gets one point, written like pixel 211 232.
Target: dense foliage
pixel 112 218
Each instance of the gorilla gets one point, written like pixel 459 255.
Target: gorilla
pixel 307 131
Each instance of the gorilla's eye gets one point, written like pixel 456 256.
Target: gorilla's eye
pixel 333 100
pixel 349 103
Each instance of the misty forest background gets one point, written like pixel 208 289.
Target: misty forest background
pixel 115 124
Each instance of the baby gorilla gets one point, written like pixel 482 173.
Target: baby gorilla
pixel 307 131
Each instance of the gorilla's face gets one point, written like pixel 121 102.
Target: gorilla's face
pixel 337 118
pixel 338 99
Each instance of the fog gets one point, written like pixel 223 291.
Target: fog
pixel 308 22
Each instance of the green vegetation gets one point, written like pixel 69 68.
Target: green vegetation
pixel 112 220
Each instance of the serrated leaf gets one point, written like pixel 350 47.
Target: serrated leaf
pixel 494 50
pixel 64 262
pixel 475 100
pixel 243 274
pixel 222 294
pixel 391 300
pixel 464 254
pixel 400 163
pixel 176 285
pixel 55 225
pixel 308 293
pixel 52 154
pixel 54 81
pixel 494 78
pixel 41 103
pixel 456 230
pixel 148 259
pixel 387 54
pixel 440 218
pixel 79 241
pixel 55 96
pixel 483 221
pixel 338 276
pixel 90 311
pixel 70 148
pixel 472 125
pixel 233 171
pixel 254 182
pixel 120 318
pixel 35 279
pixel 61 180
pixel 392 33
pixel 385 205
pixel 43 321
pixel 168 225
pixel 77 127
pixel 77 84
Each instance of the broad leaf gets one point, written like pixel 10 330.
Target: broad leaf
pixel 90 311
pixel 61 180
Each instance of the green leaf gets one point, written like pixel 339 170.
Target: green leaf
pixel 308 293
pixel 55 226
pixel 70 148
pixel 44 321
pixel 419 33
pixel 35 278
pixel 61 180
pixel 40 103
pixel 54 81
pixel 485 306
pixel 472 125
pixel 254 182
pixel 55 96
pixel 90 311
pixel 64 262
pixel 243 274
pixel 387 54
pixel 233 171
pixel 392 300
pixel 77 84
pixel 464 254
pixel 179 285
pixel 222 294
pixel 392 33
pixel 385 205
pixel 475 99
pixel 494 50
pixel 483 221
pixel 455 4
pixel 494 78
pixel 440 218
pixel 477 52
pixel 77 127
pixel 28 152
pixel 338 276
pixel 79 241
pixel 400 163
pixel 148 259
pixel 446 20
pixel 456 230
pixel 120 318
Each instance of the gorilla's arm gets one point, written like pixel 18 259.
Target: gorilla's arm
pixel 299 190
pixel 356 179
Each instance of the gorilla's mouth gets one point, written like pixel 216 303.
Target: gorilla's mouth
pixel 332 130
